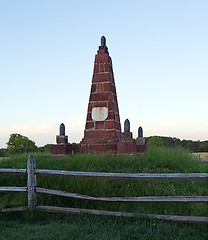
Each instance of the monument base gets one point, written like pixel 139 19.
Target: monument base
pixel 126 136
pixel 140 141
pixel 61 149
pixel 76 148
pixel 121 148
pixel 141 148
pixel 126 148
pixel 99 148
pixel 61 139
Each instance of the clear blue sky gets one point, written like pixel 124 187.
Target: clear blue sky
pixel 159 50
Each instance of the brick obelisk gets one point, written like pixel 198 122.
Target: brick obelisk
pixel 103 128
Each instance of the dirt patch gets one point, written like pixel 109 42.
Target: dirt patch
pixel 202 156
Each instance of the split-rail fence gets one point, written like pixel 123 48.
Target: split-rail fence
pixel 32 191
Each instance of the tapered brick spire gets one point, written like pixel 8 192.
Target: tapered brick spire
pixel 103 128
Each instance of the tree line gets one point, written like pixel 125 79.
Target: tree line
pixel 19 144
pixel 192 146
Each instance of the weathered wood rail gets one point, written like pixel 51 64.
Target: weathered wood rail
pixel 130 176
pixel 190 199
pixel 12 171
pixel 32 191
pixel 13 189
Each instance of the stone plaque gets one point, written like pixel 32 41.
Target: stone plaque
pixel 99 113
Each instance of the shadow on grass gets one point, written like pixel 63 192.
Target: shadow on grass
pixel 45 226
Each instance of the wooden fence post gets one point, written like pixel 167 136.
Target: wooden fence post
pixel 31 183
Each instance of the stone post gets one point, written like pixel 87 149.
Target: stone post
pixel 61 138
pixel 126 145
pixel 62 147
pixel 126 136
pixel 140 139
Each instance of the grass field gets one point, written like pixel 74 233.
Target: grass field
pixel 89 227
pixel 50 226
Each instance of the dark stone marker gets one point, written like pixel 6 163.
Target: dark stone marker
pixel 62 130
pixel 140 132
pixel 103 41
pixel 126 125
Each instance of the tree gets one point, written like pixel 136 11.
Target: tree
pixel 3 152
pixel 18 144
pixel 157 141
pixel 192 146
pixel 46 148
pixel 203 147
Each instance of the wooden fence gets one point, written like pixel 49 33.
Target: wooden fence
pixel 32 191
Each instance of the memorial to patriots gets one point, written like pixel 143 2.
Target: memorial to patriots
pixel 102 133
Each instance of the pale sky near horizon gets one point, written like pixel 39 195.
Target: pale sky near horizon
pixel 159 50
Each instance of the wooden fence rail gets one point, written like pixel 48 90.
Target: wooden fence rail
pixel 190 199
pixel 32 190
pixel 13 189
pixel 12 171
pixel 130 176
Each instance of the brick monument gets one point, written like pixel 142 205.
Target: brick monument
pixel 102 132
pixel 103 128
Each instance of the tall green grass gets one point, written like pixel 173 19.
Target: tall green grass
pixel 156 160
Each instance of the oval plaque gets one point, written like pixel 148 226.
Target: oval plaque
pixel 99 113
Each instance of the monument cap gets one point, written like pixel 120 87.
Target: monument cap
pixel 140 132
pixel 127 125
pixel 103 41
pixel 62 130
